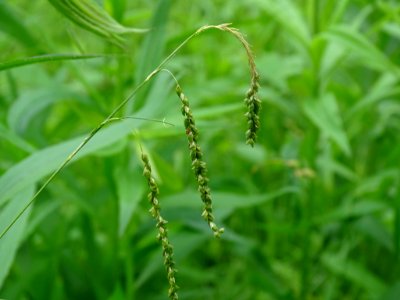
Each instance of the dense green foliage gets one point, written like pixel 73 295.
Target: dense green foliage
pixel 311 212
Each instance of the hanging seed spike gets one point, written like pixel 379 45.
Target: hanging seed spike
pixel 162 235
pixel 198 165
pixel 251 95
pixel 253 108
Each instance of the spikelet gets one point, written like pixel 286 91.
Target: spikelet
pixel 162 235
pixel 253 104
pixel 198 165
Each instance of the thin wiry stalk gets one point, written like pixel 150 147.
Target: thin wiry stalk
pixel 223 27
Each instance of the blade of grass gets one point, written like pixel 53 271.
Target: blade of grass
pixel 12 25
pixel 90 16
pixel 355 273
pixel 130 190
pixel 324 113
pixel 29 104
pixel 152 50
pixel 16 140
pixel 45 58
pixel 9 243
pixel 289 17
pixel 43 162
pixel 349 38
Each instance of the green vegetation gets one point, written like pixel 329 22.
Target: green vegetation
pixel 311 211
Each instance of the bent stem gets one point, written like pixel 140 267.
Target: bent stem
pixel 254 102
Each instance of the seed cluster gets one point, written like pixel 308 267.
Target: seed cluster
pixel 252 101
pixel 253 104
pixel 198 165
pixel 162 235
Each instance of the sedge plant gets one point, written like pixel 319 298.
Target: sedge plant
pixel 253 105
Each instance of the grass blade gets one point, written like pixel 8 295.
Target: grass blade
pixel 355 273
pixel 289 17
pixel 43 162
pixel 349 38
pixel 325 115
pixel 153 47
pixel 44 58
pixel 90 16
pixel 10 242
pixel 11 24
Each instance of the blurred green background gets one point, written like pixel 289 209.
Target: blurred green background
pixel 311 212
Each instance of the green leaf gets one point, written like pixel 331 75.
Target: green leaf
pixel 184 244
pixel 154 43
pixel 152 50
pixel 324 113
pixel 90 16
pixel 44 58
pixel 385 87
pixel 130 189
pixel 354 272
pixel 30 103
pixel 167 174
pixel 43 162
pixel 393 29
pixel 337 168
pixel 371 227
pixel 373 183
pixel 289 17
pixel 12 25
pixel 42 210
pixel 14 139
pixel 10 242
pixel 353 210
pixel 278 68
pixel 392 293
pixel 351 39
pixel 330 61
pixel 118 8
pixel 224 203
pixel 338 11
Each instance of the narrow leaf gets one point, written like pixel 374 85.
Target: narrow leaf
pixel 355 273
pixel 130 189
pixel 90 16
pixel 43 162
pixel 12 25
pixel 44 58
pixel 10 242
pixel 289 17
pixel 325 114
pixel 349 38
